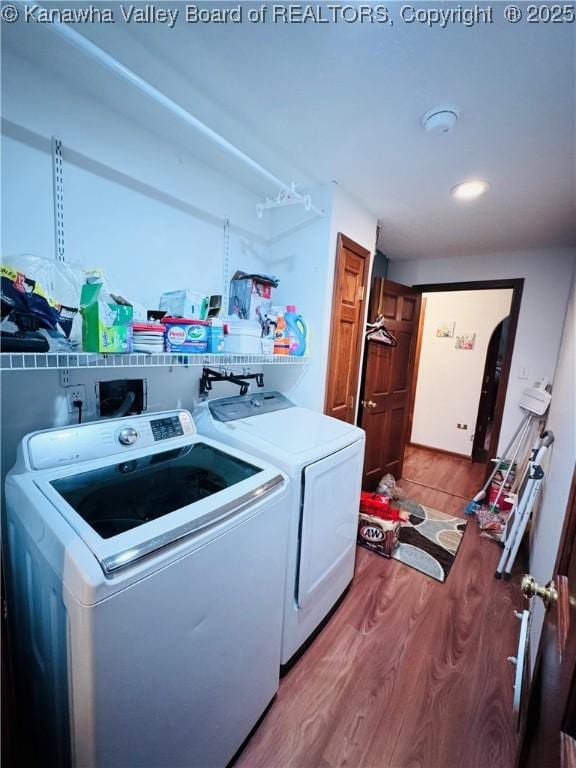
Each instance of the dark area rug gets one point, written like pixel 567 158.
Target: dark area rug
pixel 429 541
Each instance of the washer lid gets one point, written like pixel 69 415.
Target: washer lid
pixel 125 511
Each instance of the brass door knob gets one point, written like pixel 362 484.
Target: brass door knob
pixel 530 588
pixel 368 404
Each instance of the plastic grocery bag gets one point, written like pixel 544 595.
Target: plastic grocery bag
pixel 40 293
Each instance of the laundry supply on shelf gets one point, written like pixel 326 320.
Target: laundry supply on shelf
pixel 251 296
pixel 107 318
pixel 242 336
pixel 296 330
pixel 186 335
pixel 40 300
pixel 214 306
pixel 216 336
pixel 148 337
pixel 281 338
pixel 185 303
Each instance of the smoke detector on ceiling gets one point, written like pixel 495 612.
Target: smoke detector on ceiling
pixel 439 120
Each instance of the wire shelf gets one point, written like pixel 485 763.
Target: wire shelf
pixel 48 361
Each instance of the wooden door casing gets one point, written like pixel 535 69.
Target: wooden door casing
pixel 346 329
pixel 549 727
pixel 388 379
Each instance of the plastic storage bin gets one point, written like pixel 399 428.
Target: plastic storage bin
pixel 243 337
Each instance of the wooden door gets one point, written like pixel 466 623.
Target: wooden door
pixel 388 376
pixel 347 329
pixel 549 730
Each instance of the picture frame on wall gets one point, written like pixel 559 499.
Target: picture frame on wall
pixel 465 341
pixel 445 330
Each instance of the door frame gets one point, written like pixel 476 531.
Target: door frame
pixel 517 286
pixel 345 242
pixel 414 382
pixel 564 556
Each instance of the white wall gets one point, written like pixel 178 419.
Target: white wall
pixel 144 210
pixel 547 276
pixel 559 467
pixel 147 212
pixel 299 252
pixel 306 258
pixel 32 400
pixel 449 379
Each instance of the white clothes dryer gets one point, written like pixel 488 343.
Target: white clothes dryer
pixel 323 458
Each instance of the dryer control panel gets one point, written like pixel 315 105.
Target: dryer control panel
pixel 243 406
pixel 94 440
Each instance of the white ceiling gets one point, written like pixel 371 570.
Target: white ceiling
pixel 343 102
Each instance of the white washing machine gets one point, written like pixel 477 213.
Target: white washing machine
pixel 323 458
pixel 146 577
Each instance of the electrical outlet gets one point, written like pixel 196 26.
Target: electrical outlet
pixel 75 392
pixel 461 426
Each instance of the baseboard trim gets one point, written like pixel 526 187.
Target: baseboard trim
pixel 441 450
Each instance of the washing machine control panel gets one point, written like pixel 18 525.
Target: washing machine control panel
pixel 100 439
pixel 163 429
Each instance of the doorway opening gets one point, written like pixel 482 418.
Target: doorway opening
pixel 464 354
pixel 458 369
pixel 447 383
pixel 489 393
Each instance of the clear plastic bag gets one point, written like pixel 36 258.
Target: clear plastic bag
pixel 41 292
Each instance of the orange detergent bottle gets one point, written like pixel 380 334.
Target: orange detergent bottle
pixel 281 337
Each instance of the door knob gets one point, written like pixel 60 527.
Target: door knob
pixel 368 404
pixel 530 588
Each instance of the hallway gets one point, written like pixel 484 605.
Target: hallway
pixel 456 476
pixel 408 673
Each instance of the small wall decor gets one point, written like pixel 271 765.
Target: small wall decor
pixel 465 341
pixel 446 330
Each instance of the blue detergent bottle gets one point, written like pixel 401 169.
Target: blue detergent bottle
pixel 297 331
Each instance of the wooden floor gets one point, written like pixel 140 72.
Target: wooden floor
pixel 440 471
pixel 408 673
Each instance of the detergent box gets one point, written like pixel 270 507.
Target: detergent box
pixel 186 335
pixel 106 321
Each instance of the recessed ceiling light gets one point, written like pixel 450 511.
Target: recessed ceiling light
pixel 470 190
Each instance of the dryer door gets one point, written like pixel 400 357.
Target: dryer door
pixel 329 521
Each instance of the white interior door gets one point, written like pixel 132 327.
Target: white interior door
pixel 329 520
